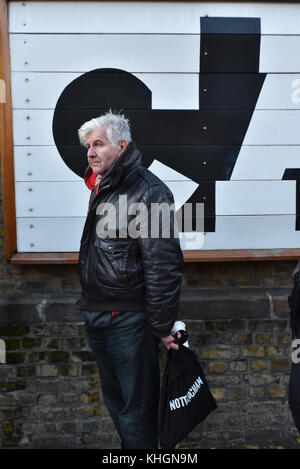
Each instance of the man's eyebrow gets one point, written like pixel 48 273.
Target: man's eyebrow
pixel 95 141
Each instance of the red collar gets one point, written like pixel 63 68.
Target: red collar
pixel 90 178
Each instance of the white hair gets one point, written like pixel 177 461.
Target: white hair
pixel 117 128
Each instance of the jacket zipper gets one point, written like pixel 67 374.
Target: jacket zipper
pixel 97 195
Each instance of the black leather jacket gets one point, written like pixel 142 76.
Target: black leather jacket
pixel 294 303
pixel 125 273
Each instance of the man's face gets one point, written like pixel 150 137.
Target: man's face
pixel 101 153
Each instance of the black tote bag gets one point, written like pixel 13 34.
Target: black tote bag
pixel 185 396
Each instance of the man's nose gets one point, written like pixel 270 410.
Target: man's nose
pixel 91 152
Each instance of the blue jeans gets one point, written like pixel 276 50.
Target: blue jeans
pixel 127 358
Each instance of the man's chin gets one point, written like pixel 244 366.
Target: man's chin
pixel 96 170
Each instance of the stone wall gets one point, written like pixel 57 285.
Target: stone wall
pixel 50 390
pixel 238 319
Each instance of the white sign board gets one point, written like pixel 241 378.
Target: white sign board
pixel 231 121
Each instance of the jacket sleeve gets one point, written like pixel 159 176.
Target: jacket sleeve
pixel 162 262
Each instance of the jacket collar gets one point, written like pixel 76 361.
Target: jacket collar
pixel 131 157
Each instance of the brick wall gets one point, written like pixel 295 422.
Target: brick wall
pixel 238 319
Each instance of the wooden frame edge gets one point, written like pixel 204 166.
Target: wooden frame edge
pixel 6 139
pixel 193 1
pixel 232 255
pixel 8 189
pixel 235 255
pixel 44 258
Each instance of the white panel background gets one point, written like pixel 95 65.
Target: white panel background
pixel 52 43
pixel 144 17
pixel 266 127
pixel 169 90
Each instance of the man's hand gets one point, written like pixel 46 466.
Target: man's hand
pixel 169 341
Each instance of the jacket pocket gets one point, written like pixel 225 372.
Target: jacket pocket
pixel 111 263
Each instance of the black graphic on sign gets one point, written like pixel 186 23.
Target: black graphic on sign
pixel 203 144
pixel 294 175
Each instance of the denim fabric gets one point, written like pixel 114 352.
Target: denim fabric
pixel 127 357
pixel 105 318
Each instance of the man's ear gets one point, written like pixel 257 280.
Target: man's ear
pixel 122 146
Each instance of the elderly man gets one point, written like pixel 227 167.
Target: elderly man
pixel 130 283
